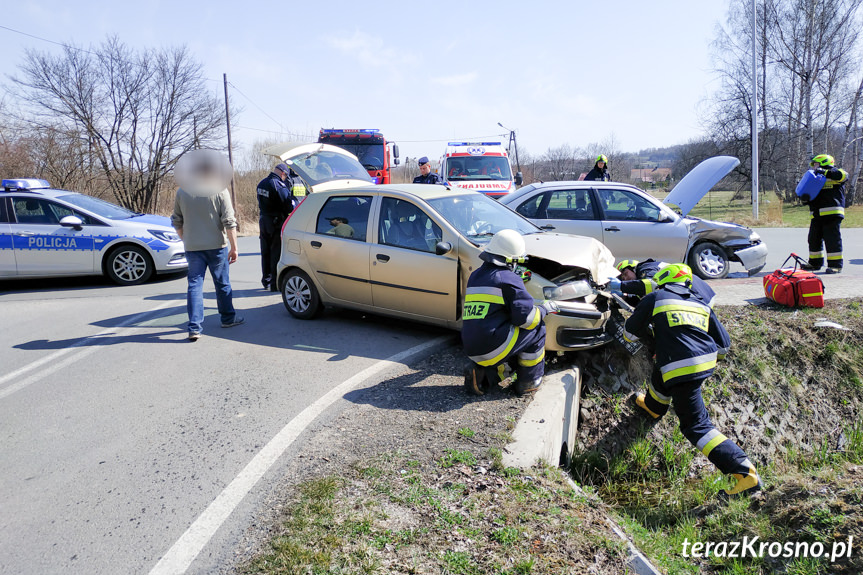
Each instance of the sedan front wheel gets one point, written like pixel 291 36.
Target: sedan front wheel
pixel 709 261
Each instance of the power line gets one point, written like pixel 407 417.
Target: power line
pixel 279 124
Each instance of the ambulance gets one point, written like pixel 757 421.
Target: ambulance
pixel 480 166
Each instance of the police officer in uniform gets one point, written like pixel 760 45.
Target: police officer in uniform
pixel 275 203
pixel 826 211
pixel 599 171
pixel 501 321
pixel 426 176
pixel 636 281
pixel 689 340
pixel 298 187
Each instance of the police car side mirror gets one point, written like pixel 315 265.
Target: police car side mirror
pixel 73 222
pixel 442 248
pixel 518 178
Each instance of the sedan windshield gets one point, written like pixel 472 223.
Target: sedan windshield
pixel 326 166
pixel 462 168
pixel 478 217
pixel 98 207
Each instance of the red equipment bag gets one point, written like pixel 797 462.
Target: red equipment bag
pixel 793 287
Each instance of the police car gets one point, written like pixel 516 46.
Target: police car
pixel 479 166
pixel 46 232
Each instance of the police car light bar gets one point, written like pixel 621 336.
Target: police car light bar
pixel 473 144
pixel 24 184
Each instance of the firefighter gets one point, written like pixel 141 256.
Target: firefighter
pixel 599 171
pixel 689 339
pixel 426 176
pixel 501 320
pixel 275 203
pixel 636 281
pixel 826 211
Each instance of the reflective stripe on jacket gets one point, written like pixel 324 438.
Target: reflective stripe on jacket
pixel 496 308
pixel 689 336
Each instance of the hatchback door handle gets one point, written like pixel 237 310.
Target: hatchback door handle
pixel 613 229
pixel 383 258
pixel 316 244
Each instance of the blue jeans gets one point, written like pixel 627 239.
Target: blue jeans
pixel 217 261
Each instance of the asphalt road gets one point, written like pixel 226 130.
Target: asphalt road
pixel 117 433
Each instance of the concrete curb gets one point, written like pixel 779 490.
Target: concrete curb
pixel 546 433
pixel 546 430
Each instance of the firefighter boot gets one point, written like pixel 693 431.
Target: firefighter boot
pixel 746 484
pixel 475 381
pixel 640 402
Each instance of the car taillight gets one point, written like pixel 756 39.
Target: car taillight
pixel 292 213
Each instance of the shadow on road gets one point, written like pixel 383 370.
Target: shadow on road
pixel 50 285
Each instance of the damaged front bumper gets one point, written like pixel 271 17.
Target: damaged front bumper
pixel 753 257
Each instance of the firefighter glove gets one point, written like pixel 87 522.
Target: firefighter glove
pixel 614 285
pixel 549 306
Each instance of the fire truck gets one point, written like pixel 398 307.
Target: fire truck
pixel 480 166
pixel 369 146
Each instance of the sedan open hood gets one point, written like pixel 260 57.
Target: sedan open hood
pixel 321 166
pixel 699 181
pixel 577 251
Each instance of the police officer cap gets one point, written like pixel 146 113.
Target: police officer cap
pixel 283 167
pixel 423 161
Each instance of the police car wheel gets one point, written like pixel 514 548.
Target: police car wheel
pixel 129 265
pixel 709 261
pixel 300 295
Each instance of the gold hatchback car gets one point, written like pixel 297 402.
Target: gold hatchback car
pixel 407 251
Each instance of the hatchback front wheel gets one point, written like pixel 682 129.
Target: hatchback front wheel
pixel 300 296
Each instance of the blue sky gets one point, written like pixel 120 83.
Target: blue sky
pixel 556 72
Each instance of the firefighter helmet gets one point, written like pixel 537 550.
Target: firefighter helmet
pixel 508 245
pixel 602 158
pixel 822 161
pixel 626 264
pixel 673 273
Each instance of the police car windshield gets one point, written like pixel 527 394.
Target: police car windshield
pixel 98 207
pixel 477 168
pixel 478 217
pixel 326 166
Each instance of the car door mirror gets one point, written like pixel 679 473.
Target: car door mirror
pixel 442 248
pixel 73 222
pixel 519 179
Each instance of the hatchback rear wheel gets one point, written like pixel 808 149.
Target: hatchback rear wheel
pixel 300 296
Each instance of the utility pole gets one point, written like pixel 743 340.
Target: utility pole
pixel 754 112
pixel 230 153
pixel 513 144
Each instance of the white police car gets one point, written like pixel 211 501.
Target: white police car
pixel 46 232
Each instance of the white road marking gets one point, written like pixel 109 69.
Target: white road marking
pixel 54 365
pixel 181 555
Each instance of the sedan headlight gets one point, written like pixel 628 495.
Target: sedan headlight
pixel 165 236
pixel 754 237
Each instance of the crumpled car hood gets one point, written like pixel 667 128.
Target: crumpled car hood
pixel 698 182
pixel 576 251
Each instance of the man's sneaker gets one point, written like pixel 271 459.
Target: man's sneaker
pixel 236 321
pixel 194 336
pixel 639 401
pixel 833 270
pixel 746 484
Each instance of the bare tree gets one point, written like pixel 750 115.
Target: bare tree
pixel 133 114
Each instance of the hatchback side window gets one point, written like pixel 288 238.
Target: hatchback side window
pixel 626 205
pixel 404 225
pixel 345 217
pixel 36 211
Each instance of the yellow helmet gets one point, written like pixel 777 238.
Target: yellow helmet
pixel 673 273
pixel 601 158
pixel 822 161
pixel 626 264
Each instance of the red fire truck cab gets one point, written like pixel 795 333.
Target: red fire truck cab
pixel 369 146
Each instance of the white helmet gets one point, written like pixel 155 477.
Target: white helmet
pixel 508 245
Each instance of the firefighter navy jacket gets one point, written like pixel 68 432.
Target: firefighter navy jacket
pixel 831 200
pixel 689 337
pixel 644 285
pixel 496 308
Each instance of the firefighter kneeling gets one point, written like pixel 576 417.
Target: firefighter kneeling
pixel 689 340
pixel 501 321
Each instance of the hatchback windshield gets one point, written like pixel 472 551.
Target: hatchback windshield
pixel 326 166
pixel 478 217
pixel 477 168
pixel 98 207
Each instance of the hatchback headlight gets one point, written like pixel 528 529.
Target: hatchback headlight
pixel 165 236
